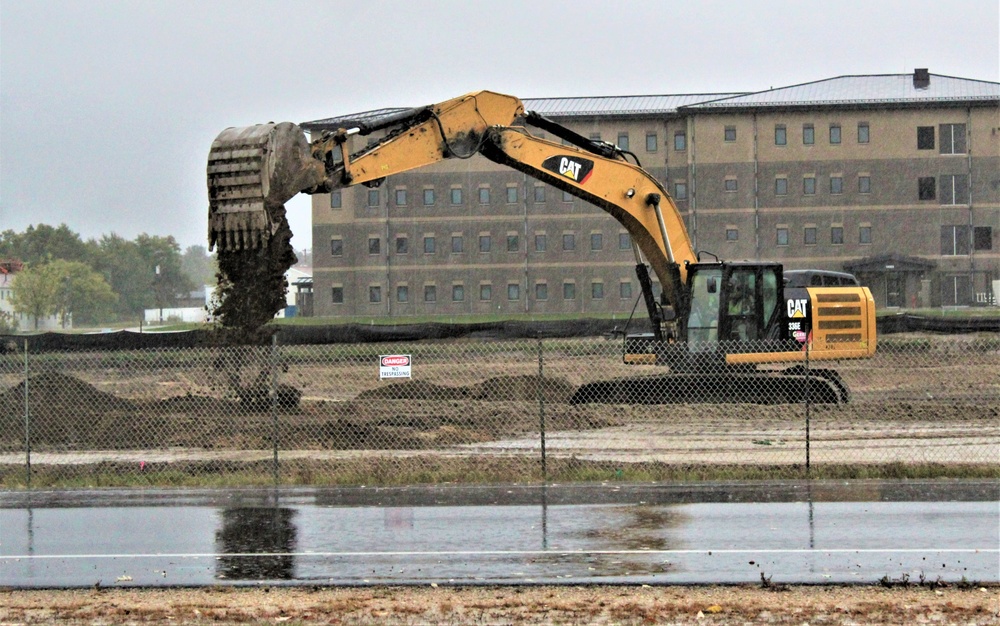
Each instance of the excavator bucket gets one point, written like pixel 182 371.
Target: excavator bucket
pixel 252 172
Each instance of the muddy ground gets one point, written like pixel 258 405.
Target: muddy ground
pixel 931 402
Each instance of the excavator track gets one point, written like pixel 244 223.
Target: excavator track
pixel 795 385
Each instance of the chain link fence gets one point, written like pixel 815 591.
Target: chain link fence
pixel 467 410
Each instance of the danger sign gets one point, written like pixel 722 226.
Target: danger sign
pixel 394 366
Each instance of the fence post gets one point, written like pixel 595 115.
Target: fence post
pixel 273 393
pixel 808 404
pixel 541 408
pixel 27 422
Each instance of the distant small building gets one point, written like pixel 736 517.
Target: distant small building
pixel 8 271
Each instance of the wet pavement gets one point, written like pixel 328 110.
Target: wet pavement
pixel 788 532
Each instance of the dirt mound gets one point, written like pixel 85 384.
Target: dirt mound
pixel 415 390
pixel 496 389
pixel 524 389
pixel 59 390
pixel 66 411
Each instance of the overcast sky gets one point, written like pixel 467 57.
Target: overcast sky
pixel 108 108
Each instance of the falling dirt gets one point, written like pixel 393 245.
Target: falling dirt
pixel 252 284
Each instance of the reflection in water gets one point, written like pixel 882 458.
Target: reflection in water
pixel 256 531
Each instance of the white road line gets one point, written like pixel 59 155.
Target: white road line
pixel 465 553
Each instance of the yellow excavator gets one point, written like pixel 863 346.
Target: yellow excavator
pixel 714 325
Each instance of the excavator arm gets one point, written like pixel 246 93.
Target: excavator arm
pixel 253 171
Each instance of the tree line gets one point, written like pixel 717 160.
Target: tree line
pixel 104 280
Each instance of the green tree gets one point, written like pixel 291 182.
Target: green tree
pixel 126 270
pixel 199 265
pixel 163 256
pixel 33 294
pixel 80 292
pixel 40 244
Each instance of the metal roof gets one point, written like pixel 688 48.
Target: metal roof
pixel 864 90
pixel 618 105
pixel 859 90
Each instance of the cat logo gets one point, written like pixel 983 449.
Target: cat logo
pixel 797 308
pixel 574 168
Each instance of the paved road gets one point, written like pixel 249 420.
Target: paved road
pixel 790 532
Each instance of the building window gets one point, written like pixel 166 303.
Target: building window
pixel 595 137
pixel 402 293
pixel 954 189
pixel 513 291
pixel 623 141
pixel 624 241
pixel 513 243
pixel 596 291
pixel 374 245
pixel 680 140
pixel 430 293
pixel 541 241
pixel 780 186
pixel 809 186
pixel 834 134
pixel 652 143
pixel 926 188
pixel 569 291
pixel 625 291
pixel 782 236
pixel 982 238
pixel 567 196
pixel 730 133
pixel 400 197
pixel 808 134
pixel 539 193
pixel 569 241
pixel 596 242
pixel 732 234
pixel 428 197
pixel 864 132
pixel 373 199
pixel 336 200
pixel 484 195
pixel 485 242
pixel 456 195
pixel 865 234
pixel 457 244
pixel 429 245
pixel 680 191
pixel 809 236
pixel 952 138
pixel 337 295
pixel 458 293
pixel 837 235
pixel 374 294
pixel 402 245
pixel 925 137
pixel 780 135
pixel 511 195
pixel 486 292
pixel 541 291
pixel 836 185
pixel 730 184
pixel 337 247
pixel 955 240
pixel 864 184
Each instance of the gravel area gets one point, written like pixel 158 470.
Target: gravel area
pixel 798 605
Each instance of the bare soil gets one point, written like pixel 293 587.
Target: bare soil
pixel 625 605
